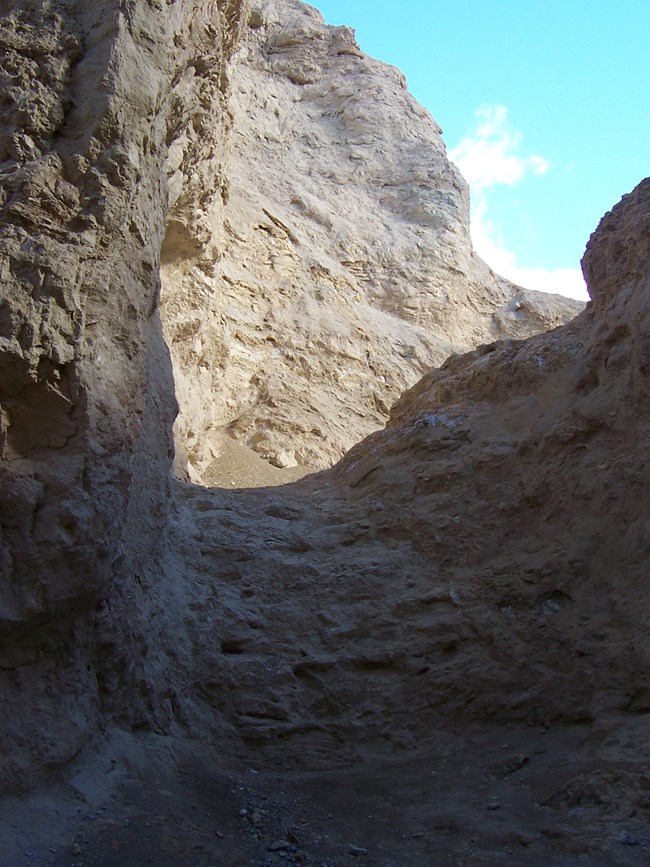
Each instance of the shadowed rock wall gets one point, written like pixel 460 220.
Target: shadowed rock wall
pixel 93 93
pixel 483 557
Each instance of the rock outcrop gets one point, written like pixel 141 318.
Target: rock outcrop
pixel 92 97
pixel 341 266
pixel 483 557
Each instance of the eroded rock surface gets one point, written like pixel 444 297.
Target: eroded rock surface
pixel 341 266
pixel 490 542
pixel 459 602
pixel 481 561
pixel 92 95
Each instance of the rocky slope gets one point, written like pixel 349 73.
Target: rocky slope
pixel 456 611
pixel 482 558
pixel 341 266
pixel 481 561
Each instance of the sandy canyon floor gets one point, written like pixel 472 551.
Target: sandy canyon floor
pixel 488 796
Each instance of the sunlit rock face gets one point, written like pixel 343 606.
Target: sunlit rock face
pixel 340 267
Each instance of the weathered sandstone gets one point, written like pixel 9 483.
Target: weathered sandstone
pixel 481 559
pixel 340 267
pixel 93 96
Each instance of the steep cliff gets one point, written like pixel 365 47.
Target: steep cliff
pixel 342 266
pixel 92 97
pixel 480 559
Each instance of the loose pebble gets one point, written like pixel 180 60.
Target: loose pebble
pixel 278 845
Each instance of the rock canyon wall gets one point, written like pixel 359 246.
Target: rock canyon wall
pixel 482 557
pixel 93 97
pixel 341 266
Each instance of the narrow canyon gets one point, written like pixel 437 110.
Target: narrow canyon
pixel 320 542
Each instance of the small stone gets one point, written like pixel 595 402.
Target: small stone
pixel 278 845
pixel 493 805
pixel 283 460
pixel 292 836
pixel 76 849
pixel 255 20
pixel 525 838
pixel 357 850
pixel 256 817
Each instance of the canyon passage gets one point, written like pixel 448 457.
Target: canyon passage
pixel 321 543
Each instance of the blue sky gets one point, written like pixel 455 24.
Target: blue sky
pixel 545 107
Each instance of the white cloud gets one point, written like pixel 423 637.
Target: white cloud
pixel 563 281
pixel 492 156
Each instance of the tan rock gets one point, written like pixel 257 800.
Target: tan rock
pixel 483 557
pixel 341 266
pixel 92 96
